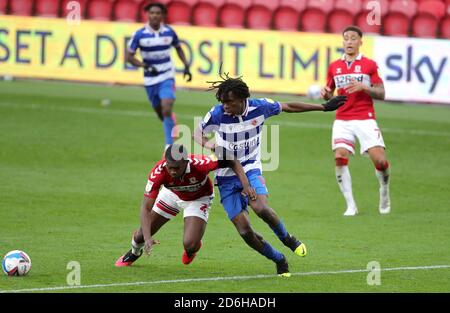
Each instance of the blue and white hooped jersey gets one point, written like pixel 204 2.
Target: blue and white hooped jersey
pixel 155 50
pixel 240 135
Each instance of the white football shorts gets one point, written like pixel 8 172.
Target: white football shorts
pixel 367 131
pixel 168 204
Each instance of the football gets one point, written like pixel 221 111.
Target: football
pixel 314 92
pixel 16 263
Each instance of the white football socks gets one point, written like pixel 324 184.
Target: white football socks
pixel 345 184
pixel 136 248
pixel 385 201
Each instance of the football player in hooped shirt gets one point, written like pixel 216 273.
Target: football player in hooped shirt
pixel 357 77
pixel 185 186
pixel 155 41
pixel 237 124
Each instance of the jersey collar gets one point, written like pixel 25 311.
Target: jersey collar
pixel 152 31
pixel 359 57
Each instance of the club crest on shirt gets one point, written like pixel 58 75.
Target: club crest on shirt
pixel 193 180
pixel 358 68
pixel 338 70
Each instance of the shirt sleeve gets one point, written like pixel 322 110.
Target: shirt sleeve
pixel 155 181
pixel 209 123
pixel 175 40
pixel 271 107
pixel 374 76
pixel 206 164
pixel 133 44
pixel 330 78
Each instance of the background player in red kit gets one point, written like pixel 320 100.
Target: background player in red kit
pixel 357 77
pixel 185 186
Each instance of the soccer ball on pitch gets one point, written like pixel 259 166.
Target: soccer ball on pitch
pixel 16 263
pixel 314 92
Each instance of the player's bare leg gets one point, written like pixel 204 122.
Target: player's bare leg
pixel 256 241
pixel 344 180
pixel 382 171
pixel 194 229
pixel 137 241
pixel 268 215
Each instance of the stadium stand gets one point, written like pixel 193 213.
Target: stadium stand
pixel 397 21
pixel 232 13
pixel 126 10
pixel 65 10
pixel 21 7
pixel 343 14
pixel 180 11
pixel 3 6
pixel 100 10
pixel 367 21
pixel 429 15
pixel 418 18
pixel 314 17
pixel 47 8
pixel 206 12
pixel 259 14
pixel 287 15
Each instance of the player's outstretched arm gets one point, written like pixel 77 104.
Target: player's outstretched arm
pixel 299 107
pixel 146 208
pixel 240 173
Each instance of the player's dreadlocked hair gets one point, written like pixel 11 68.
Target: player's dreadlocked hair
pixel 227 84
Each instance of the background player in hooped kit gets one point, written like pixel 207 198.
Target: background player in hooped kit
pixel 154 41
pixel 357 77
pixel 237 124
pixel 185 185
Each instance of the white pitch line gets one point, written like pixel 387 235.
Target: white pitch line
pixel 150 114
pixel 190 280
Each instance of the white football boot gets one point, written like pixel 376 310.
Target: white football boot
pixel 351 211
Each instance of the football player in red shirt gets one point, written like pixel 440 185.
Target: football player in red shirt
pixel 185 186
pixel 357 77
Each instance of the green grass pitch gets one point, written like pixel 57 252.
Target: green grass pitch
pixel 73 172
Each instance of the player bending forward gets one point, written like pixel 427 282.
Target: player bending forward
pixel 357 77
pixel 187 187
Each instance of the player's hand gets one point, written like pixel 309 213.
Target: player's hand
pixel 250 192
pixel 326 93
pixel 187 73
pixel 150 69
pixel 334 103
pixel 355 86
pixel 149 245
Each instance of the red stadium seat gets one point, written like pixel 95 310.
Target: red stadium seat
pixel 397 21
pixel 343 15
pixel 367 21
pixel 48 8
pixel 206 12
pixel 426 22
pixel 259 14
pixel 65 10
pixel 314 18
pixel 180 11
pixel 287 15
pixel 100 10
pixel 3 6
pixel 232 13
pixel 21 7
pixel 445 28
pixel 126 10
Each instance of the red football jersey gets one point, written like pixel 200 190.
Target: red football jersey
pixel 359 105
pixel 194 184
